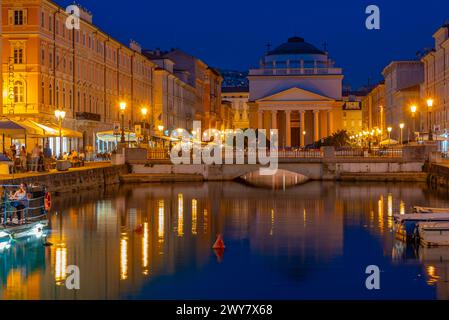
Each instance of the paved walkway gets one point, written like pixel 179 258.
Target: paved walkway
pixel 87 166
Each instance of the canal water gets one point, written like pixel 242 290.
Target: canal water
pixel 311 241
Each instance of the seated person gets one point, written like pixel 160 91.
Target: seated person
pixel 19 201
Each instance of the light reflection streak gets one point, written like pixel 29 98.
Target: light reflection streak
pixel 194 216
pixel 180 215
pixel 123 257
pixel 60 264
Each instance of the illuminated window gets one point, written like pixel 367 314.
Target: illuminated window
pixel 18 17
pixel 19 92
pixel 18 55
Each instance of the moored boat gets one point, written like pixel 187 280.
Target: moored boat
pixel 420 209
pixel 406 225
pixel 23 216
pixel 434 233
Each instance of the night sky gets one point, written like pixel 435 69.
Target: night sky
pixel 232 34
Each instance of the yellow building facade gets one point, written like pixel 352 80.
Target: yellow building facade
pixel 47 66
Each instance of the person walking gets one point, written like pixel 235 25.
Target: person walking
pixel 35 153
pixel 23 159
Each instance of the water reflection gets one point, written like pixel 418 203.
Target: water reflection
pixel 282 179
pixel 154 241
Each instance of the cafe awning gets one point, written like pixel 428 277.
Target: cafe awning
pixel 52 130
pixel 20 129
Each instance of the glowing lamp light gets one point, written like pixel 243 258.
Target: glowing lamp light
pixel 160 128
pixel 430 103
pixel 401 125
pixel 60 114
pixel 413 109
pixel 144 111
pixel 122 106
pixel 389 129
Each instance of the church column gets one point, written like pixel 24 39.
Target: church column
pixel 330 123
pixel 316 125
pixel 260 119
pixel 288 131
pixel 274 119
pixel 302 127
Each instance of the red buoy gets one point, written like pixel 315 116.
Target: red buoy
pixel 219 244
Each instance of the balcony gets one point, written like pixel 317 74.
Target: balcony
pixel 295 72
pixel 88 116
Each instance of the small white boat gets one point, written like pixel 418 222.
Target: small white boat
pixel 24 230
pixel 406 225
pixel 419 209
pixel 434 233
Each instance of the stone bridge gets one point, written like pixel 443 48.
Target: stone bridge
pixel 329 165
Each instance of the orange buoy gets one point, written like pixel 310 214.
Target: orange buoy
pixel 139 228
pixel 219 244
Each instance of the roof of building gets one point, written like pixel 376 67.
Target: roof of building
pixel 295 45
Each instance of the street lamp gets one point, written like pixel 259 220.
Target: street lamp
pixel 429 110
pixel 122 113
pixel 389 134
pixel 413 110
pixel 60 115
pixel 401 126
pixel 144 112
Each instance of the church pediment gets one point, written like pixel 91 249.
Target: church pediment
pixel 295 94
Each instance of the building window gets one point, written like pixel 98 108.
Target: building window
pixel 42 19
pixel 43 92
pixel 50 94
pixel 50 22
pixel 63 98
pixel 18 55
pixel 43 56
pixel 57 96
pixel 18 92
pixel 18 17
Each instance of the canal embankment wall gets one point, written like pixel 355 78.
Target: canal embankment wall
pixel 73 180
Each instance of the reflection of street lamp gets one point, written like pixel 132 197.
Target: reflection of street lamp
pixel 389 134
pixel 122 111
pixel 401 126
pixel 429 110
pixel 60 115
pixel 413 110
pixel 144 112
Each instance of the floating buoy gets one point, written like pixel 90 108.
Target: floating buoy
pixel 219 244
pixel 139 228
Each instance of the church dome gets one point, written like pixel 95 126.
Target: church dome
pixel 295 45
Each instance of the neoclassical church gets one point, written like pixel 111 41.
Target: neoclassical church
pixel 298 91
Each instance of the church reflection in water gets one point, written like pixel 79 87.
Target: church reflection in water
pixel 127 238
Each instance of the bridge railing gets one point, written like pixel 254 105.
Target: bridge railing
pixel 164 154
pixel 369 153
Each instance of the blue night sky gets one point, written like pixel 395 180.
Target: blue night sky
pixel 232 34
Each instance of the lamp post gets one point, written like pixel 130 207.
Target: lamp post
pixel 401 126
pixel 122 113
pixel 60 115
pixel 413 111
pixel 429 110
pixel 144 112
pixel 389 134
